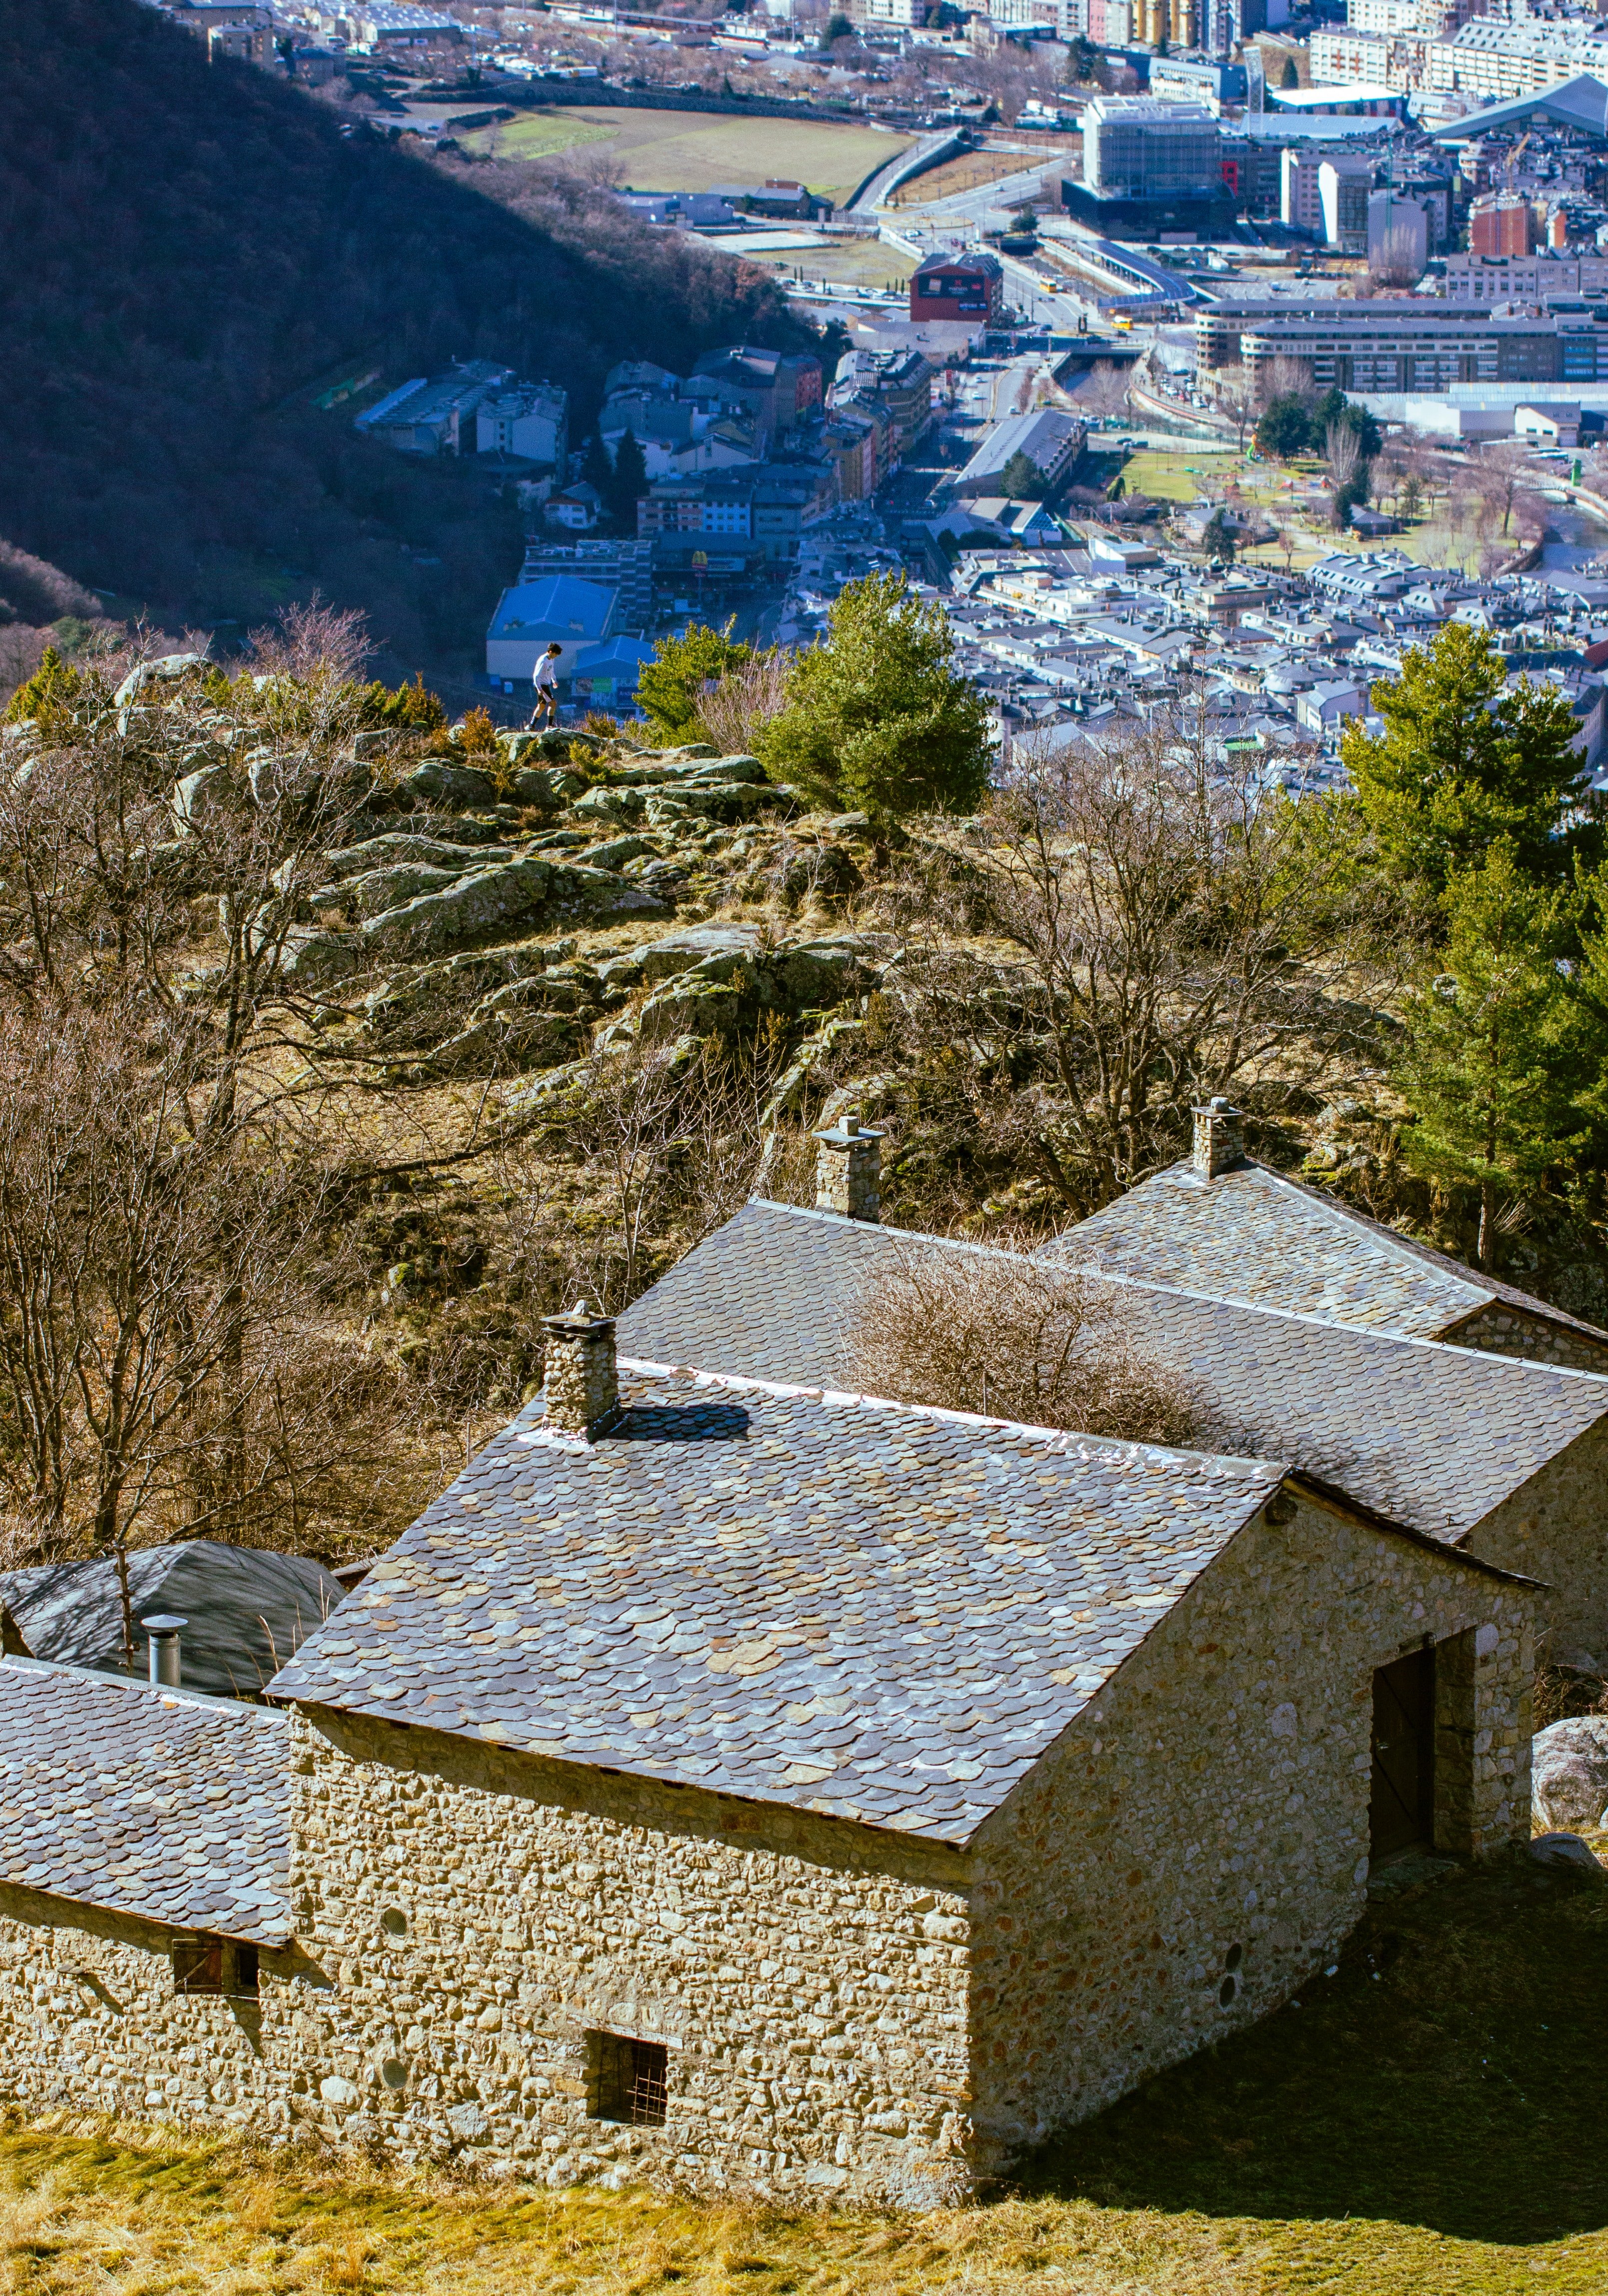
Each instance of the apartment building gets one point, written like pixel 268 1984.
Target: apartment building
pixel 1398 60
pixel 1301 174
pixel 1405 346
pixel 1497 62
pixel 1528 279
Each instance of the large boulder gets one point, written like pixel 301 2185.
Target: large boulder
pixel 817 974
pixel 201 797
pixel 448 828
pixel 738 769
pixel 316 959
pixel 679 952
pixel 1569 1774
pixel 162 671
pixel 440 781
pixel 422 1003
pixel 600 896
pixel 458 913
pixel 513 1026
pixel 617 852
pixel 378 891
pixel 608 805
pixel 486 902
pixel 394 847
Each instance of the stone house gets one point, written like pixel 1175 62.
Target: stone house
pixel 1315 1352
pixel 1223 1225
pixel 145 1945
pixel 775 1787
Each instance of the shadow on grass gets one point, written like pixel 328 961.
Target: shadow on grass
pixel 1462 2088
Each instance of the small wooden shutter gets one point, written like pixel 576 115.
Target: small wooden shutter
pixel 1402 1807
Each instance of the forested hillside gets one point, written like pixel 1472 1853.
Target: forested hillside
pixel 190 246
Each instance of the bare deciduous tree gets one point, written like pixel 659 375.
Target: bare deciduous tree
pixel 1342 451
pixel 735 711
pixel 1148 906
pixel 1105 390
pixel 989 1332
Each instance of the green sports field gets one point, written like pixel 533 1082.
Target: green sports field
pixel 694 150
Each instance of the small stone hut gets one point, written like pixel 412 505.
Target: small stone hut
pixel 779 1788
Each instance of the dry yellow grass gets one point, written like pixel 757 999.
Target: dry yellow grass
pixel 1429 2122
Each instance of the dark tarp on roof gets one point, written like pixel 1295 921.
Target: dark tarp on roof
pixel 248 1611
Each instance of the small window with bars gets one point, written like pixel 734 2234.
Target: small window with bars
pixel 627 2080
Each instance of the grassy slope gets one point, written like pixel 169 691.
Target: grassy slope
pixel 1439 2130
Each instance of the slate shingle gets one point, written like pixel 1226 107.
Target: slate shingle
pixel 871 1612
pixel 1431 1435
pixel 143 1801
pixel 1256 1237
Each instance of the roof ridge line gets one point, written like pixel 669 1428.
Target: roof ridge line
pixel 1327 1324
pixel 1181 1292
pixel 174 1693
pixel 1059 1435
pixel 1401 1246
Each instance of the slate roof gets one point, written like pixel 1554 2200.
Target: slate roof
pixel 1430 1435
pixel 873 1612
pixel 246 1610
pixel 143 1800
pixel 1255 1235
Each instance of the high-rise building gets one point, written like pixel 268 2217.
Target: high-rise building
pixel 1136 147
pixel 1501 223
pixel 1344 191
pixel 1397 235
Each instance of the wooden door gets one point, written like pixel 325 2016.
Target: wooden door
pixel 1401 1806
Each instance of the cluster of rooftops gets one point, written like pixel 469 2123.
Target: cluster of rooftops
pixel 746 1578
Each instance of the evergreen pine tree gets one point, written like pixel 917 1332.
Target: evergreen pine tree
pixel 1496 1042
pixel 595 468
pixel 878 717
pixel 1461 765
pixel 629 481
pixel 1021 479
pixel 671 687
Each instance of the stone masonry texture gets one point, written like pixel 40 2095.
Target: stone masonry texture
pixel 90 2021
pixel 480 1913
pixel 1215 1796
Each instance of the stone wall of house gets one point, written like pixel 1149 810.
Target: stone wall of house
pixel 1197 1844
pixel 1555 1529
pixel 89 2018
pixel 1502 1331
pixel 477 1913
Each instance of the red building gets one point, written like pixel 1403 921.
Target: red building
pixel 969 288
pixel 1501 223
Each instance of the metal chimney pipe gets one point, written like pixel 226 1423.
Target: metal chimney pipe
pixel 164 1632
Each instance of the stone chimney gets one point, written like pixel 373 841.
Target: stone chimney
pixel 1219 1139
pixel 848 1171
pixel 581 1382
pixel 164 1632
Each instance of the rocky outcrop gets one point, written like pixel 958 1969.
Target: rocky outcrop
pixel 396 846
pixel 488 901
